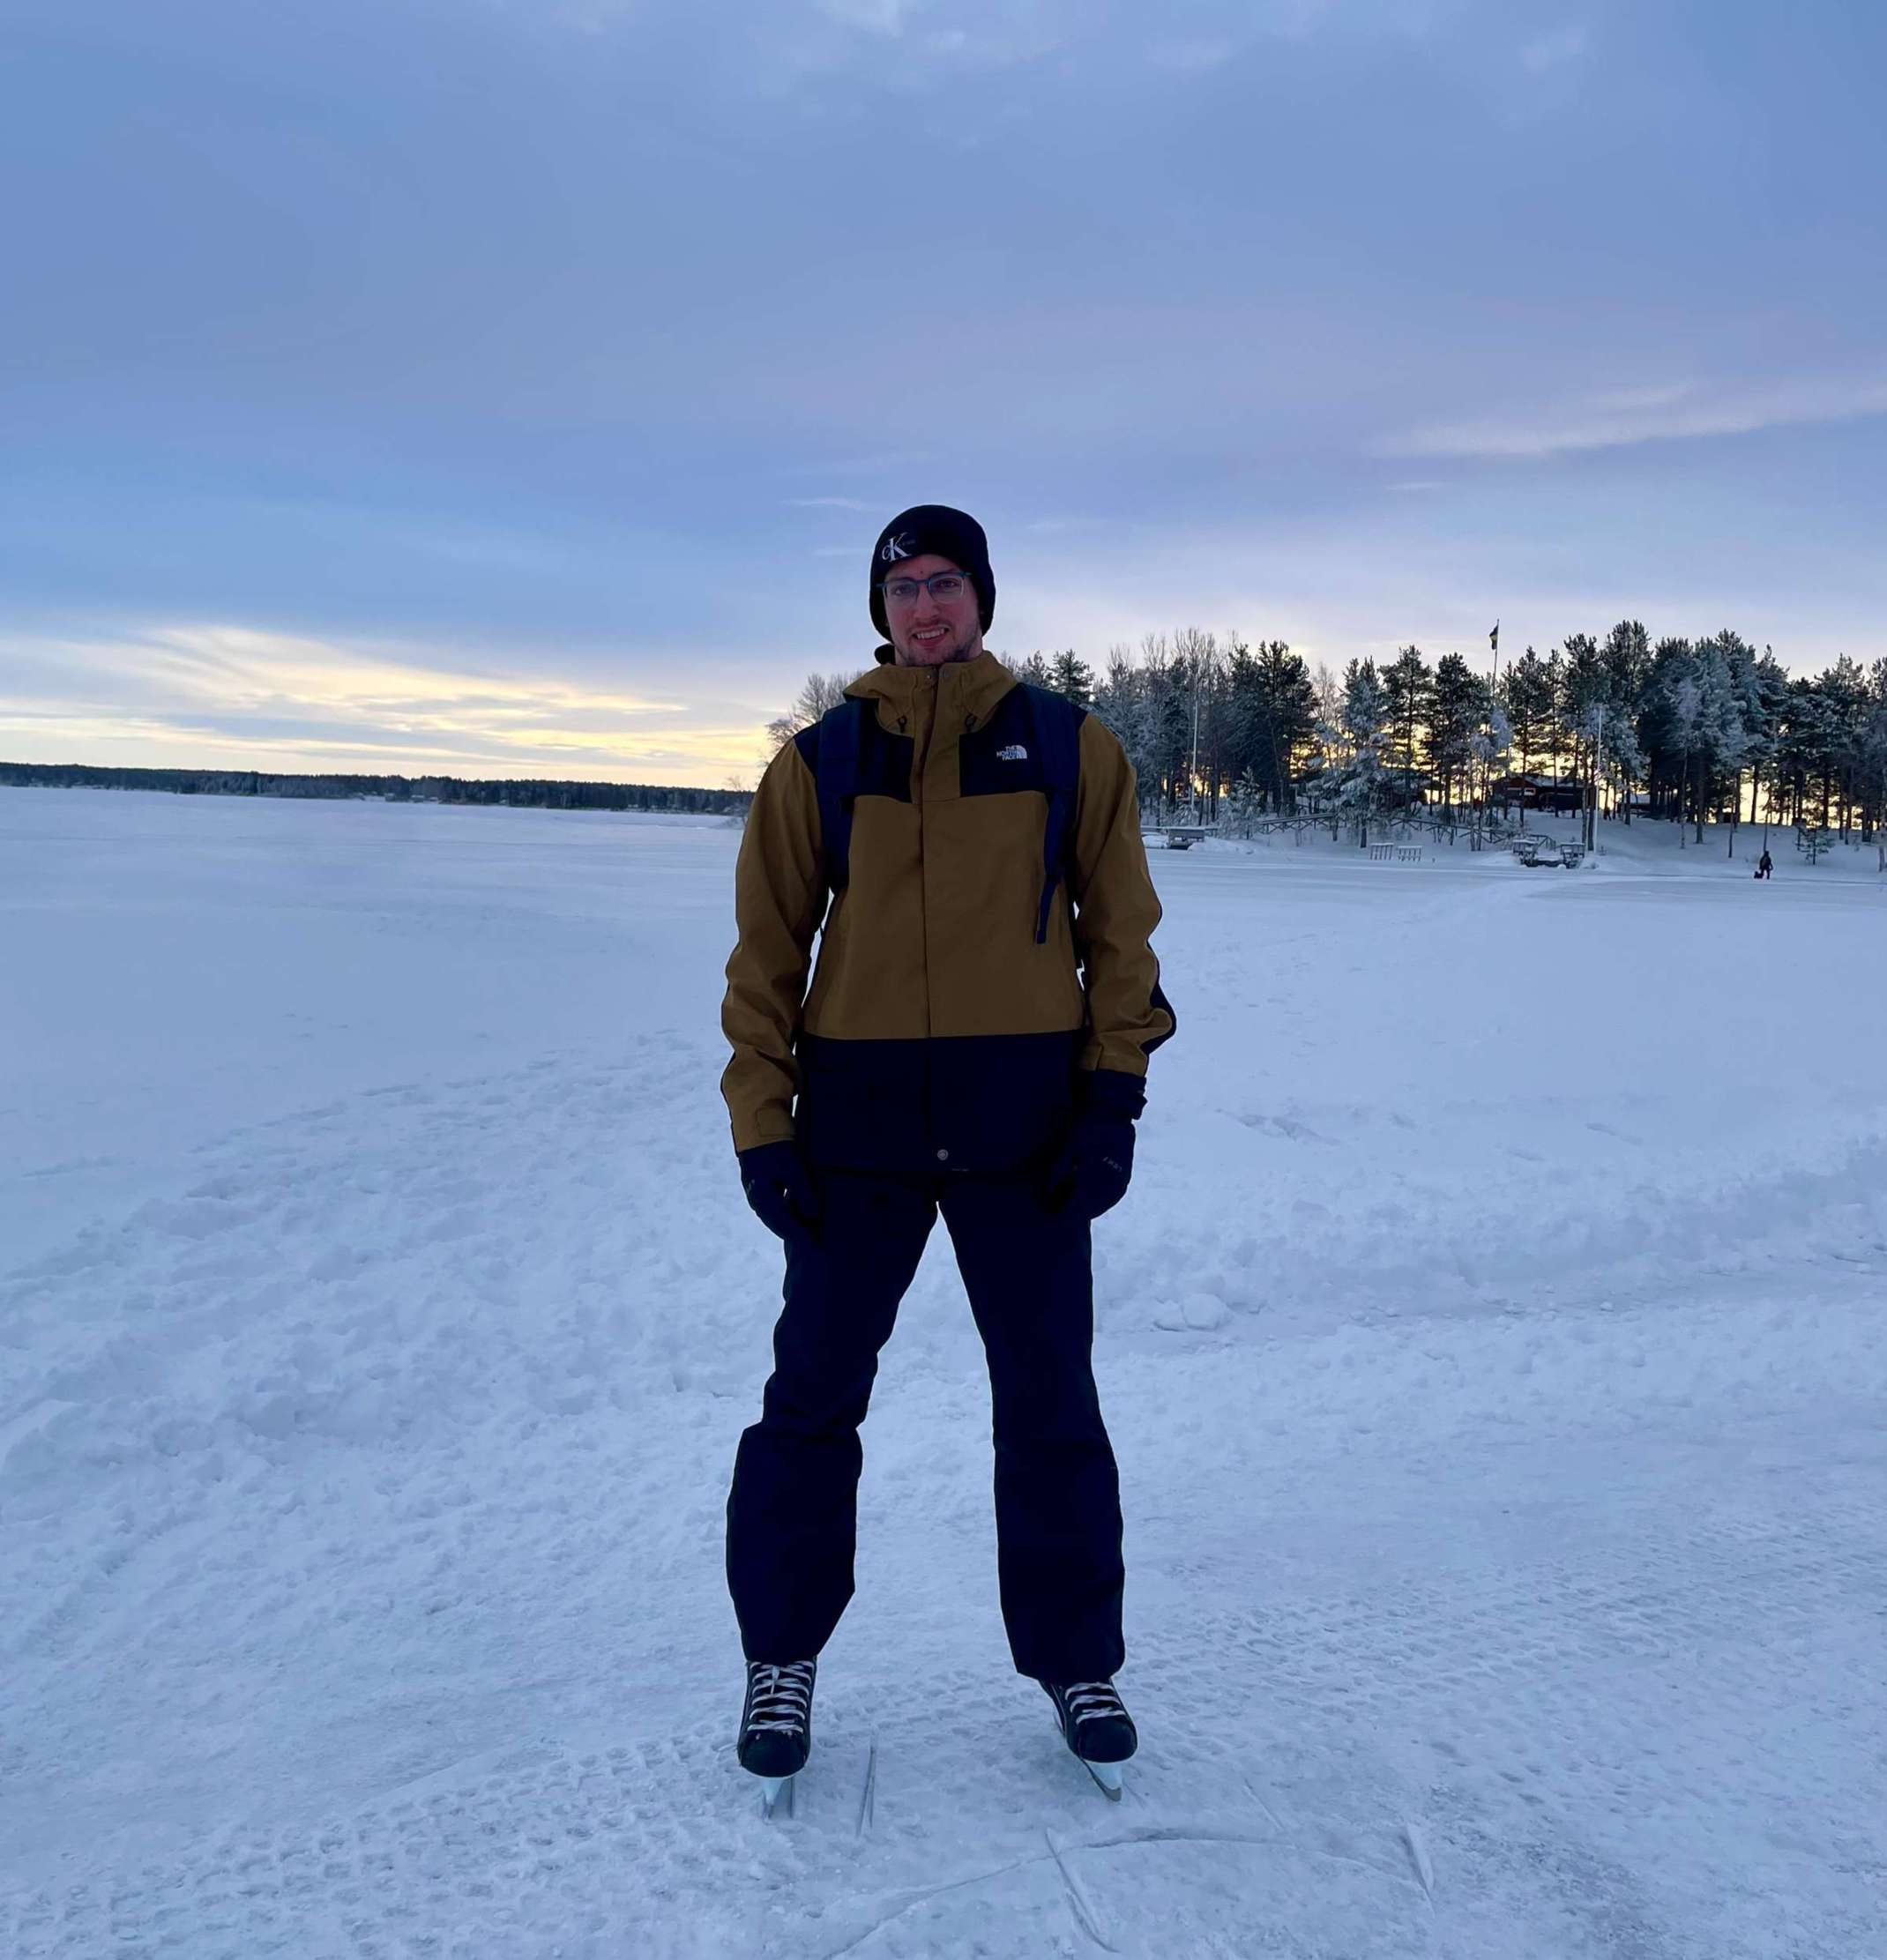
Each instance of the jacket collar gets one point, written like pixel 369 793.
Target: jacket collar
pixel 974 687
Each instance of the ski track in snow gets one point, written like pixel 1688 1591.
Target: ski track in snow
pixel 361 1476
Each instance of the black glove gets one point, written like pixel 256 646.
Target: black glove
pixel 779 1187
pixel 1091 1172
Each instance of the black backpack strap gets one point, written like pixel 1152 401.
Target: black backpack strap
pixel 1057 741
pixel 839 732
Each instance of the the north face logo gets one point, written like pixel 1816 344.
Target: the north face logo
pixel 896 548
pixel 1015 752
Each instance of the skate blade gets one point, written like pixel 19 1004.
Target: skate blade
pixel 1107 1775
pixel 776 1796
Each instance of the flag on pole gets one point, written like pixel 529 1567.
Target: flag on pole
pixel 1494 638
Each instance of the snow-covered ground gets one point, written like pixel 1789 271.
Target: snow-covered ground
pixel 1494 1341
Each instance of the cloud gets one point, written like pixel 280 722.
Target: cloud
pixel 1668 412
pixel 876 17
pixel 1555 49
pixel 879 464
pixel 1193 57
pixel 243 668
pixel 1303 21
pixel 253 697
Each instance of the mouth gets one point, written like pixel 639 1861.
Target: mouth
pixel 930 636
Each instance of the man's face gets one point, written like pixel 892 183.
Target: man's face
pixel 930 631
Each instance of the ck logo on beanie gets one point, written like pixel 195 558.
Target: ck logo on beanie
pixel 897 548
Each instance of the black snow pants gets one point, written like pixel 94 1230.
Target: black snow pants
pixel 792 1513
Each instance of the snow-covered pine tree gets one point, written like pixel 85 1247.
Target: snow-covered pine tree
pixel 1366 733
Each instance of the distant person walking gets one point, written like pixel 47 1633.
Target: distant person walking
pixel 1765 865
pixel 975 1041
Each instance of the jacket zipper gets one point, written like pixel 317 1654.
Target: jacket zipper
pixel 923 860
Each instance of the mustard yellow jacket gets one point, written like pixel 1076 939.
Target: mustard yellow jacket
pixel 937 1033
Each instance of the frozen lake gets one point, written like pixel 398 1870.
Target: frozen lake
pixel 1493 1342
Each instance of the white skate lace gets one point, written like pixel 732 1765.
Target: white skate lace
pixel 781 1697
pixel 1092 1701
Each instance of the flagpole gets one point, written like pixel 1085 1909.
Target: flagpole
pixel 1494 688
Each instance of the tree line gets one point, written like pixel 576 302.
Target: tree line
pixel 1676 728
pixel 529 793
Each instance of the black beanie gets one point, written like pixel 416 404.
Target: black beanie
pixel 932 528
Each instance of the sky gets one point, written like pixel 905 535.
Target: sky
pixel 516 387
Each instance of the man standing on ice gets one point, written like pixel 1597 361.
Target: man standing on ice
pixel 975 1041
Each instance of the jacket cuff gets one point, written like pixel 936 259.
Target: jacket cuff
pixel 1111 1092
pixel 750 1133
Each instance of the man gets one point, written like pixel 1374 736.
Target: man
pixel 974 1040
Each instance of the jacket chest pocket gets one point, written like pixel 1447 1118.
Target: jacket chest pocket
pixel 1000 759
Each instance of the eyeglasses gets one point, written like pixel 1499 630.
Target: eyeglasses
pixel 942 586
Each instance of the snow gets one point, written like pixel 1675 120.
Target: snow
pixel 1493 1343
